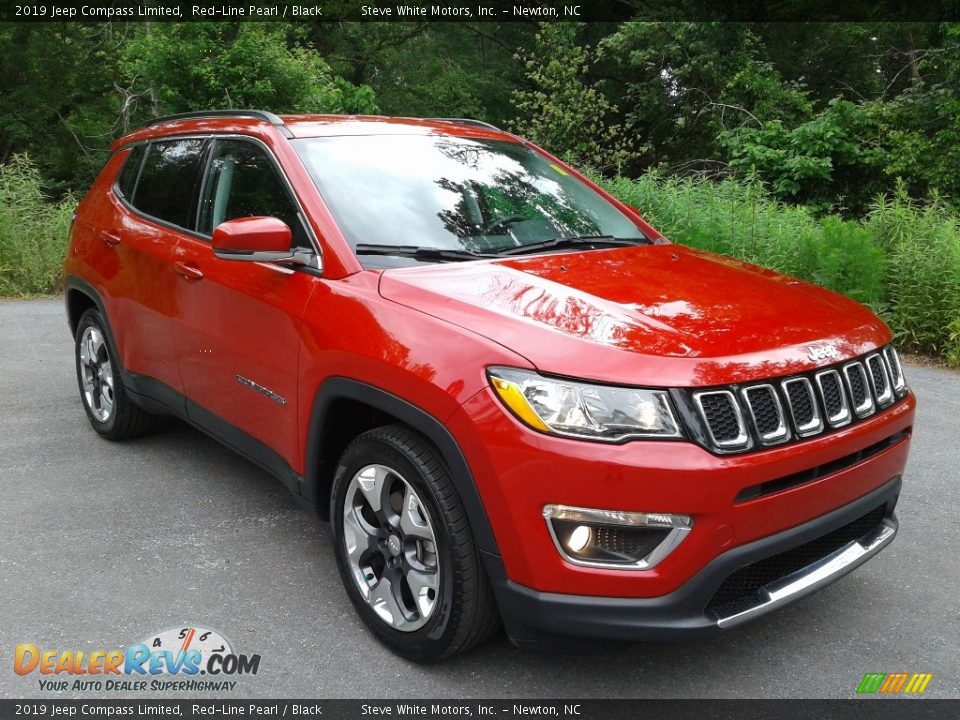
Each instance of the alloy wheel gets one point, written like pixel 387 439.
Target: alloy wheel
pixel 96 374
pixel 391 547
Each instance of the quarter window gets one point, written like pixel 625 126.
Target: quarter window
pixel 131 168
pixel 167 189
pixel 243 182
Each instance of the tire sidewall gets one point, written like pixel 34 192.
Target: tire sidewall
pixel 433 638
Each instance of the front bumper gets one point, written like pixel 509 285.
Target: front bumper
pixel 533 617
pixel 733 500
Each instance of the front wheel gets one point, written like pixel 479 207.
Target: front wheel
pixel 404 548
pixel 109 409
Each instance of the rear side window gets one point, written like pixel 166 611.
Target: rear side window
pixel 131 168
pixel 167 189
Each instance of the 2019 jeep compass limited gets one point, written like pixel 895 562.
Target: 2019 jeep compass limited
pixel 513 398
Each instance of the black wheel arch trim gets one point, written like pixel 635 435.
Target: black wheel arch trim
pixel 341 388
pixel 71 283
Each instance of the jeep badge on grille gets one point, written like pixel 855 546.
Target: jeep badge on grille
pixel 822 352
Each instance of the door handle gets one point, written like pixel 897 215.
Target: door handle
pixel 188 271
pixel 109 238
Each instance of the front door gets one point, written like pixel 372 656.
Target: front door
pixel 238 336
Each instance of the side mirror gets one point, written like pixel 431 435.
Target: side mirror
pixel 254 239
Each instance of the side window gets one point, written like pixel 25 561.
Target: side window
pixel 242 182
pixel 167 189
pixel 131 168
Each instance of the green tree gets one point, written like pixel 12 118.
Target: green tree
pixel 563 110
pixel 197 66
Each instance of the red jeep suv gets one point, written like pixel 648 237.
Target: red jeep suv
pixel 513 398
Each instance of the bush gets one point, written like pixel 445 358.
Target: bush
pixel 902 260
pixel 923 282
pixel 33 232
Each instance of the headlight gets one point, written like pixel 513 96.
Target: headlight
pixel 579 409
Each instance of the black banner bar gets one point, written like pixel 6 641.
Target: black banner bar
pixel 886 709
pixel 476 10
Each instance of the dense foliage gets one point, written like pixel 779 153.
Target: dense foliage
pixel 33 231
pixel 829 150
pixel 827 114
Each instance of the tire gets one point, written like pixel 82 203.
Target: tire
pixel 105 400
pixel 410 566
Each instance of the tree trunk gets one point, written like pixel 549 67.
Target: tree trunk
pixel 911 53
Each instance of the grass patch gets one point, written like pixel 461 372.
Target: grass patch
pixel 33 232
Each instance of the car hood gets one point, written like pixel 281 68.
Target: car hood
pixel 655 314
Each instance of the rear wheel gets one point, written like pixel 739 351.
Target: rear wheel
pixel 404 548
pixel 104 398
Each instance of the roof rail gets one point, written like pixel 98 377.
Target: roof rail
pixel 466 121
pixel 269 117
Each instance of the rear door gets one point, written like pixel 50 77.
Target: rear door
pixel 238 334
pixel 155 203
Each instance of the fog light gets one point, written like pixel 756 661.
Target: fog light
pixel 613 538
pixel 579 538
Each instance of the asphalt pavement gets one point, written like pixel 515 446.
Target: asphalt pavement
pixel 104 544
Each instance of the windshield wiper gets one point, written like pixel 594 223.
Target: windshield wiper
pixel 417 252
pixel 571 242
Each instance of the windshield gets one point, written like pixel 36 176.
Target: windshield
pixel 450 193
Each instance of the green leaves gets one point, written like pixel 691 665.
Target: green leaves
pixel 197 66
pixel 33 231
pixel 563 109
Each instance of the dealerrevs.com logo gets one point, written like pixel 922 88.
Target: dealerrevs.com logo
pixel 171 660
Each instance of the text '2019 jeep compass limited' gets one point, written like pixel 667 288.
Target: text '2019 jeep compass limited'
pixel 512 397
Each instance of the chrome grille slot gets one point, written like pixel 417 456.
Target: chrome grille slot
pixel 879 380
pixel 859 390
pixel 766 412
pixel 896 371
pixel 803 406
pixel 724 421
pixel 835 402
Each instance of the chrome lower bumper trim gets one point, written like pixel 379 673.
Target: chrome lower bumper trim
pixel 814 576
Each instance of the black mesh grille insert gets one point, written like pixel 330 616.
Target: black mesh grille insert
pixel 801 403
pixel 721 416
pixel 876 372
pixel 634 542
pixel 832 394
pixel 857 388
pixel 738 591
pixel 763 403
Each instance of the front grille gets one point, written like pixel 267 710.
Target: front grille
pixel 723 417
pixel 803 406
pixel 893 365
pixel 856 375
pixel 832 394
pixel 767 413
pixel 880 380
pixel 744 417
pixel 739 591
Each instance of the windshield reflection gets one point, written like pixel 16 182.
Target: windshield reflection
pixel 453 193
